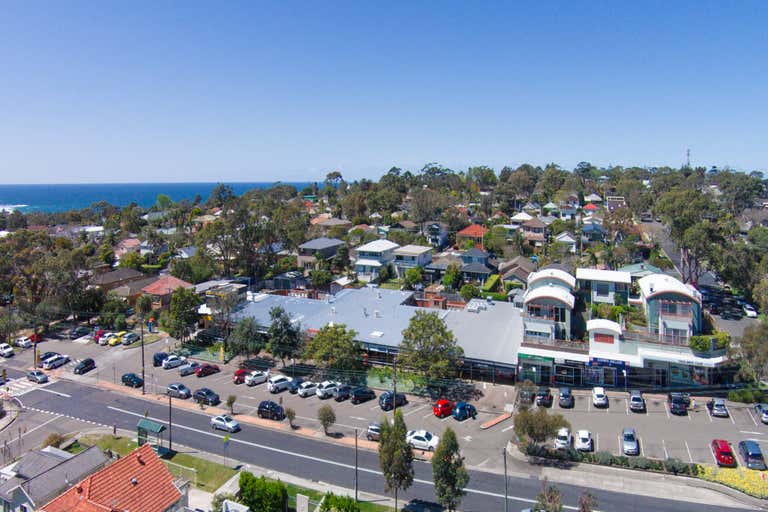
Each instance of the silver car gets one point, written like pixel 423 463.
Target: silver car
pixel 762 412
pixel 629 443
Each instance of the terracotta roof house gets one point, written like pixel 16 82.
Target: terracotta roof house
pixel 320 218
pixel 534 232
pixel 590 207
pixel 162 289
pixel 327 224
pixel 137 482
pixel 125 246
pixel 473 232
pixel 116 278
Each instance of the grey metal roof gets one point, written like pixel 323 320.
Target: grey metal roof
pixel 476 268
pixel 475 253
pixel 36 462
pixel 321 243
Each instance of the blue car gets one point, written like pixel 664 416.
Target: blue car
pixel 463 410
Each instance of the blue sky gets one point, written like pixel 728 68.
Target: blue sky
pixel 226 91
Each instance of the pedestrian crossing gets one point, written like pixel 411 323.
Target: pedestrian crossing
pixel 21 386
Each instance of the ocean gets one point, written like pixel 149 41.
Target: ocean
pixel 58 198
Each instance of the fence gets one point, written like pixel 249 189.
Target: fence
pixel 177 470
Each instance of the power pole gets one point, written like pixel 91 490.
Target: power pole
pixel 506 485
pixel 394 385
pixel 170 425
pixel 143 380
pixel 355 464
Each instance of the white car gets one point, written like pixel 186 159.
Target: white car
pixel 307 388
pixel 599 398
pixel 55 361
pixel 6 350
pixel 173 361
pixel 422 440
pixel 584 441
pixel 278 383
pixel 750 311
pixel 23 342
pixel 225 422
pixel 563 439
pixel 104 338
pixel 255 377
pixel 326 388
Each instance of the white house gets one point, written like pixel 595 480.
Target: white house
pixel 372 256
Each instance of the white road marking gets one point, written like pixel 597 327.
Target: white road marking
pixel 750 432
pixel 415 410
pixel 16 438
pixel 690 418
pixel 597 442
pixel 753 418
pixel 666 408
pixel 337 424
pixel 589 405
pixel 319 459
pixel 664 445
pixel 710 415
pixel 689 451
pixel 626 402
pixel 508 428
pixel 374 407
pixel 730 417
pixel 55 392
pixel 428 415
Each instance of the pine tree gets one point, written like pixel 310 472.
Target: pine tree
pixel 448 471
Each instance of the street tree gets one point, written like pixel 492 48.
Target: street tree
pixel 538 425
pixel 549 499
pixel 283 336
pixel 395 455
pixel 245 337
pixel 587 502
pixel 334 348
pixel 448 471
pixel 429 347
pixel 751 352
pixel 326 416
pixel 183 313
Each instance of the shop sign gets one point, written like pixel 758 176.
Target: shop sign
pixel 540 359
pixel 599 361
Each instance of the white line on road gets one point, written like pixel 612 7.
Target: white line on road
pixel 358 418
pixel 753 418
pixel 316 421
pixel 750 432
pixel 415 410
pixel 730 417
pixel 710 415
pixel 597 442
pixel 664 445
pixel 666 408
pixel 58 393
pixel 33 429
pixel 507 428
pixel 374 407
pixel 689 451
pixel 626 402
pixel 427 415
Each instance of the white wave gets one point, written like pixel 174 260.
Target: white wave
pixel 10 208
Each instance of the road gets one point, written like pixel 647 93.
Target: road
pixel 312 459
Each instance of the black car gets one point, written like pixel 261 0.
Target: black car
pixel 270 410
pixel 132 380
pixel 206 396
pixel 78 332
pixel 677 404
pixel 293 386
pixel 341 393
pixel 543 397
pixel 685 397
pixel 386 400
pixel 158 358
pixel 85 366
pixel 565 398
pixel 361 394
pixel 44 356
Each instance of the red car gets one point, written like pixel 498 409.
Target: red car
pixel 442 408
pixel 206 369
pixel 239 376
pixel 36 338
pixel 723 453
pixel 99 334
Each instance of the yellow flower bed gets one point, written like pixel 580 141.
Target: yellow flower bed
pixel 745 480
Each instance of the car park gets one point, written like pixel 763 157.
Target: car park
pixel 326 389
pixel 23 342
pixel 762 412
pixel 629 442
pixel 723 454
pixel 131 380
pixel 307 388
pixel 599 398
pixel 717 408
pixel 361 394
pixel 270 410
pixel 442 408
pixel 422 440
pixel 6 350
pixel 78 332
pixel 677 404
pixel 206 396
pixel 565 398
pixel 256 377
pixel 158 358
pixel 463 411
pixel 188 368
pixel 388 400
pixel 278 383
pixel 54 362
pixel 178 390
pixel 173 361
pixel 374 432
pixel 225 422
pixel 105 337
pixel 636 401
pixel 563 439
pixel 342 392
pixel 583 441
pixel 37 377
pixel 84 366
pixel 239 376
pixel 98 335
pixel 44 356
pixel 206 369
pixel 129 338
pixel 751 455
pixel 543 397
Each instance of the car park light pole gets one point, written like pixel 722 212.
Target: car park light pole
pixel 356 465
pixel 170 424
pixel 143 379
pixel 506 485
pixel 624 373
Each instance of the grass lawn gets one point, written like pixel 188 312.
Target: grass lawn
pixel 393 284
pixel 316 496
pixel 148 339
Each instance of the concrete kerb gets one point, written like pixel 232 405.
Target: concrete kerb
pixel 12 408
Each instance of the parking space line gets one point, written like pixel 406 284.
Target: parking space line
pixel 374 407
pixel 690 418
pixel 750 415
pixel 415 410
pixel 508 428
pixel 730 417
pixel 641 447
pixel 597 442
pixel 689 451
pixel 626 402
pixel 428 415
pixel 666 453
pixel 620 450
pixel 589 405
pixel 666 409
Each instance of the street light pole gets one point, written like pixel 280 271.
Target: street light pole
pixel 394 385
pixel 506 485
pixel 355 464
pixel 170 425
pixel 143 379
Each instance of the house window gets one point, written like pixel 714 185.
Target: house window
pixel 22 508
pixel 534 310
pixel 602 289
pixel 559 314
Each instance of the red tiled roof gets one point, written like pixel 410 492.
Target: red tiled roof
pixel 137 482
pixel 165 285
pixel 590 207
pixel 473 231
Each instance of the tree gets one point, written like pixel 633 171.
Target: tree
pixel 587 502
pixel 751 352
pixel 183 313
pixel 261 494
pixel 334 348
pixel 452 276
pixel 469 291
pixel 429 347
pixel 539 425
pixel 320 278
pixel 448 471
pixel 334 503
pixel 290 413
pixel 413 276
pixel 283 336
pixel 245 337
pixel 395 455
pixel 549 499
pixel 326 416
pixel 231 399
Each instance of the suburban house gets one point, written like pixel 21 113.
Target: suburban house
pixel 613 203
pixel 475 265
pixel 138 481
pixel 548 302
pixel 185 253
pixel 603 286
pixel 518 219
pixel 435 270
pixel 593 198
pixel 410 256
pixel 126 246
pixel 436 234
pixel 473 233
pixel 532 208
pixel 161 290
pixel 405 225
pixel 517 270
pixel 132 290
pixel 119 277
pixel 593 232
pixel 535 232
pixel 325 248
pixel 567 238
pixel 672 308
pixel 567 211
pixel 639 270
pixel 328 224
pixel 41 475
pixel 372 256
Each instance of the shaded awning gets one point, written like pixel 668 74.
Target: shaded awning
pixel 538 327
pixel 150 426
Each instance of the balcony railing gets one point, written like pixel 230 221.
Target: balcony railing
pixel 572 346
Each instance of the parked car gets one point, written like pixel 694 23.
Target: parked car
pixel 158 358
pixel 206 396
pixel 677 404
pixel 636 401
pixel 374 432
pixel 750 311
pixel 23 342
pixel 54 362
pixel 129 338
pixel 206 369
pixel 629 443
pixel 6 350
pixel 188 368
pixel 717 408
pixel 37 377
pixel 239 376
pixel 307 388
pixel 463 410
pixel 342 392
pixel 751 455
pixel 685 397
pixel 584 441
pixel 723 453
pixel 422 440
pixel 105 337
pixel 45 355
pixel 326 388
pixel 361 394
pixel 278 383
pixel 543 397
pixel 119 337
pixel 225 422
pixel 178 390
pixel 256 377
pixel 78 332
pixel 442 408
pixel 132 380
pixel 563 439
pixel 84 366
pixel 293 386
pixel 599 398
pixel 388 400
pixel 565 398
pixel 98 335
pixel 270 410
pixel 35 338
pixel 173 361
pixel 762 412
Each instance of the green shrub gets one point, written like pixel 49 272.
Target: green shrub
pixel 621 461
pixel 261 494
pixel 510 285
pixel 675 466
pixel 640 463
pixel 603 458
pixel 333 503
pixel 492 284
pixel 497 296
